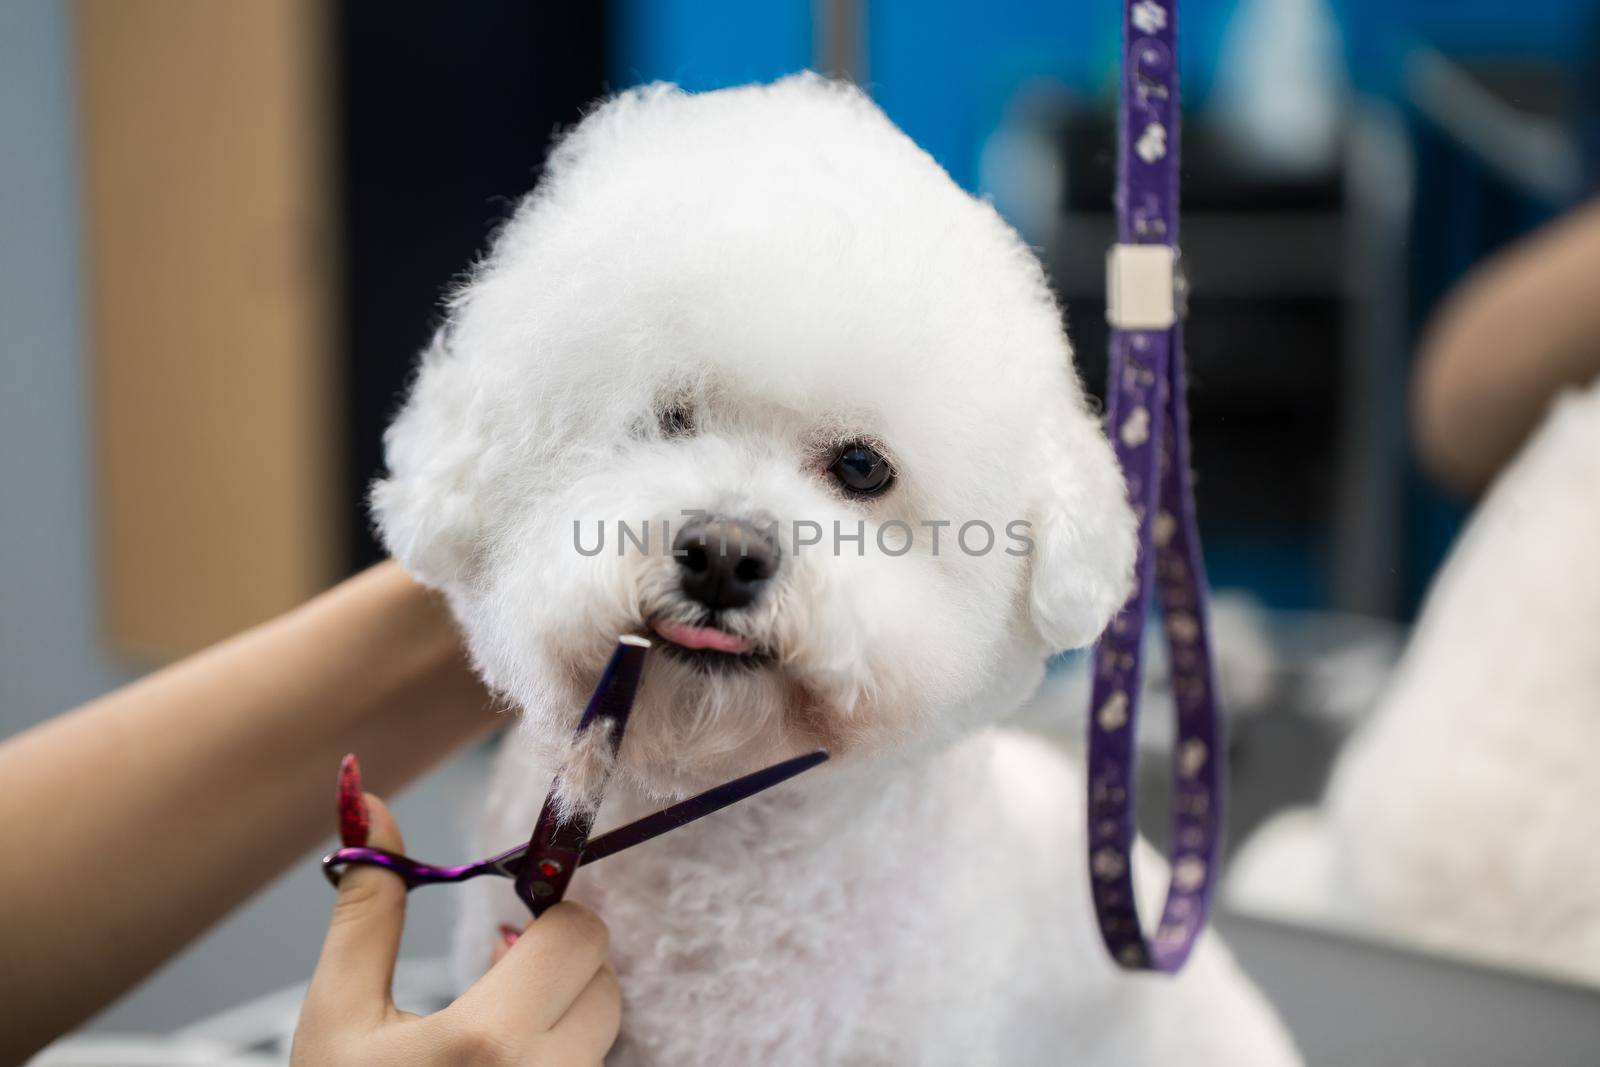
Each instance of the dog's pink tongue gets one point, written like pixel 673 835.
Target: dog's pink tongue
pixel 702 637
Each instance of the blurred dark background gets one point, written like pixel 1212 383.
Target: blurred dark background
pixel 445 124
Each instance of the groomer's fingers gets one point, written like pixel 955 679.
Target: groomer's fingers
pixel 589 1028
pixel 356 970
pixel 543 973
pixel 502 944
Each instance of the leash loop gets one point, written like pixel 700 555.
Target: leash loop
pixel 1147 419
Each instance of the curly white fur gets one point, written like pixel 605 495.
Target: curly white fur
pixel 1460 815
pixel 789 270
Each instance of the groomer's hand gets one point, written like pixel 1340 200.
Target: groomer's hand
pixel 550 999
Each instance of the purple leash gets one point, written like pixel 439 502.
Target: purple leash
pixel 1147 418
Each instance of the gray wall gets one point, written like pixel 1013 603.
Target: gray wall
pixel 50 654
pixel 50 657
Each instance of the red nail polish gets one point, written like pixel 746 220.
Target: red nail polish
pixel 509 935
pixel 353 824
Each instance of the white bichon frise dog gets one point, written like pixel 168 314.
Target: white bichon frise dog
pixel 764 317
pixel 1461 814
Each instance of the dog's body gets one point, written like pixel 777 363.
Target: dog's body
pixel 764 315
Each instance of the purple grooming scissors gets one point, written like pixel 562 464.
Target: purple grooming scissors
pixel 542 868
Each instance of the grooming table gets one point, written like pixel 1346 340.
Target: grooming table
pixel 1348 1001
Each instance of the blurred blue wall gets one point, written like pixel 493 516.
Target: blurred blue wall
pixel 943 69
pixel 707 44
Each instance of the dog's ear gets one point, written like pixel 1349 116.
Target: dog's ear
pixel 1084 534
pixel 428 508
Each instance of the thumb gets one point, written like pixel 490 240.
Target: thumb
pixel 356 971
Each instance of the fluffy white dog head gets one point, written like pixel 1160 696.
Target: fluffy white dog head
pixel 760 317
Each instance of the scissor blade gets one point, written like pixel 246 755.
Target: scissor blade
pixel 613 693
pixel 687 811
pixel 557 843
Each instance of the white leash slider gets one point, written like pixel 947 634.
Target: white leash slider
pixel 1142 287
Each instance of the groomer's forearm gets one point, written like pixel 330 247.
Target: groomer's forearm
pixel 129 826
pixel 1512 336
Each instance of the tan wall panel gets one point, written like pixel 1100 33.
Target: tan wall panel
pixel 209 247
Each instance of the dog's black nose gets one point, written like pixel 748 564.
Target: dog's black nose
pixel 724 563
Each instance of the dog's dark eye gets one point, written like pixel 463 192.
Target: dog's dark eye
pixel 862 470
pixel 677 420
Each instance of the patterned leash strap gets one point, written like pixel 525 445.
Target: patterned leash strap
pixel 1147 419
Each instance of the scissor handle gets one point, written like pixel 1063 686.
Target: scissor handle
pixel 412 872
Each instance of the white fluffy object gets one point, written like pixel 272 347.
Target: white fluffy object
pixel 1462 815
pixel 706 296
